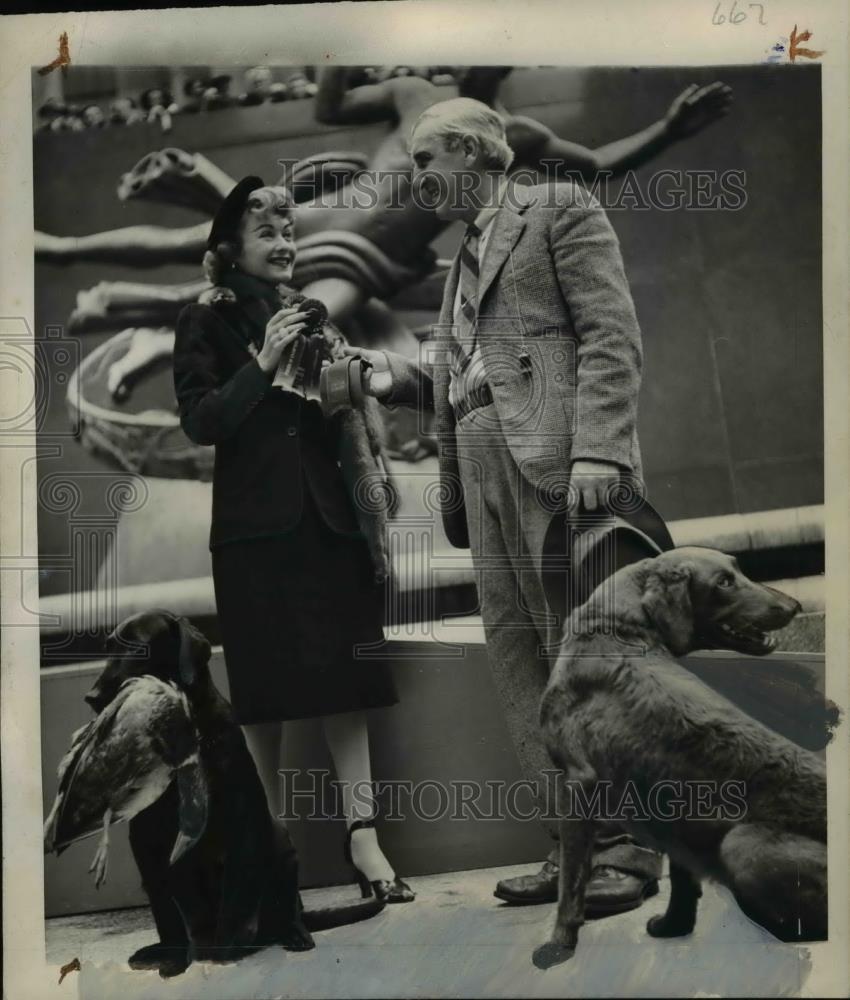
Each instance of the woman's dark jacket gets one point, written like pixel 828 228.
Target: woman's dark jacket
pixel 269 441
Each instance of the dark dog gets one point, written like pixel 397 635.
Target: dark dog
pixel 620 713
pixel 236 889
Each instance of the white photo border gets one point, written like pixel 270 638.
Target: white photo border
pixel 583 32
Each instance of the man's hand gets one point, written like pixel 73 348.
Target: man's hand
pixel 590 482
pixel 378 380
pixel 697 107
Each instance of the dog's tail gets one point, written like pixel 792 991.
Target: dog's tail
pixel 338 916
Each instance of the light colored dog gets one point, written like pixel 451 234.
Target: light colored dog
pixel 621 715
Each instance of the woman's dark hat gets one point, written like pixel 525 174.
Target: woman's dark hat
pixel 225 225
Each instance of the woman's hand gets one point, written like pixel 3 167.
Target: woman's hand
pixel 378 380
pixel 281 330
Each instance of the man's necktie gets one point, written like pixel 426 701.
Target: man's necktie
pixel 467 321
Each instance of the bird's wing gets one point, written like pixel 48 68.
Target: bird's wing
pixel 68 766
pixel 113 757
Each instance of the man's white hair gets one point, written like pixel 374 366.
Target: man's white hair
pixel 453 119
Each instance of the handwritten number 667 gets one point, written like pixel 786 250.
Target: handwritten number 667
pixel 736 16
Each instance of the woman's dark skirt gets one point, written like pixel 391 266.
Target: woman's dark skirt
pixel 293 609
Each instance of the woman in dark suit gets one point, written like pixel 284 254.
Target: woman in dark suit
pixel 298 565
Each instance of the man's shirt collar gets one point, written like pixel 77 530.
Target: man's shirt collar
pixel 488 213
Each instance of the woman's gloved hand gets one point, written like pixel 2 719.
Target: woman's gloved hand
pixel 377 380
pixel 281 330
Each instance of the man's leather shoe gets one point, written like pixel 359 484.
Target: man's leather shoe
pixel 608 891
pixel 526 889
pixel 611 890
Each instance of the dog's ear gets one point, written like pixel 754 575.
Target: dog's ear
pixel 666 600
pixel 194 654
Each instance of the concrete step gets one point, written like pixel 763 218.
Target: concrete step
pixel 453 940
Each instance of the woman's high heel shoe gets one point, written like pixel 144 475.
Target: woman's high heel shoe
pixel 396 891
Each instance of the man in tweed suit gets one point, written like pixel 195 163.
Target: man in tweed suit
pixel 533 372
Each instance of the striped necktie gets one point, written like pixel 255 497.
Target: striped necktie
pixel 467 321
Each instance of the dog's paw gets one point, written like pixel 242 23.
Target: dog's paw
pixel 148 957
pixel 664 926
pixel 174 966
pixel 155 956
pixel 552 953
pixel 297 938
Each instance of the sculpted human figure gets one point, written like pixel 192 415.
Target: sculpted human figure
pixel 354 251
pixel 350 237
